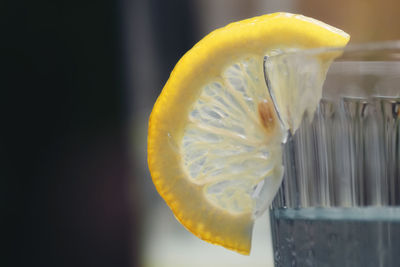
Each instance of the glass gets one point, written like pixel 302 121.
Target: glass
pixel 339 202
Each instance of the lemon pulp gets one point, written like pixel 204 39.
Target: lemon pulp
pixel 228 147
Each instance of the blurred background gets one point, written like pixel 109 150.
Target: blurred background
pixel 80 79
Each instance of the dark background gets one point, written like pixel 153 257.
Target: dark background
pixel 67 189
pixel 69 172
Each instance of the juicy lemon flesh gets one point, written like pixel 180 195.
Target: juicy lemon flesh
pixel 214 141
pixel 231 141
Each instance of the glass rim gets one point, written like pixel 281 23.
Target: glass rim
pixel 350 48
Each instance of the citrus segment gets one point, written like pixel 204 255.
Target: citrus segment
pixel 214 140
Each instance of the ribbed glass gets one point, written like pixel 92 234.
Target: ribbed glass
pixel 343 160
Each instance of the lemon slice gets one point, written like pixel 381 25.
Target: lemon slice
pixel 214 140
